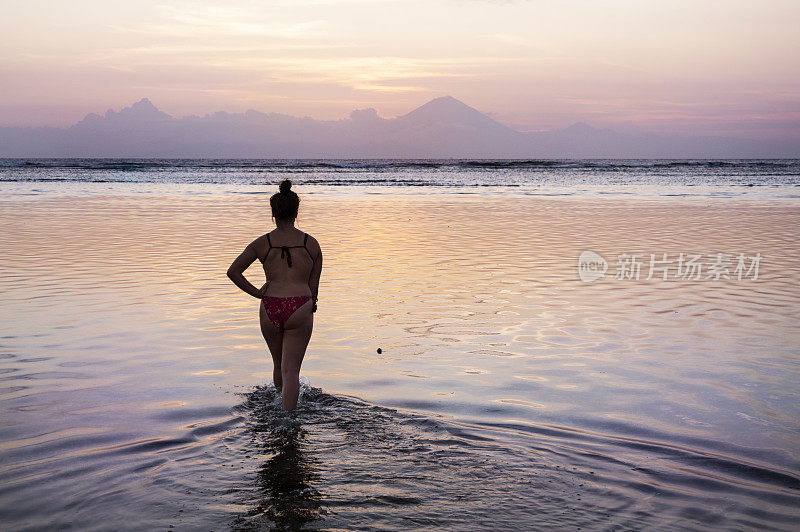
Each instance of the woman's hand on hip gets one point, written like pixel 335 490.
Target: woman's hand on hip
pixel 263 290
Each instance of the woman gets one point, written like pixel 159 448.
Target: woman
pixel 292 262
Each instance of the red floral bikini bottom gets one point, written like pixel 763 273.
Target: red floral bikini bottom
pixel 279 309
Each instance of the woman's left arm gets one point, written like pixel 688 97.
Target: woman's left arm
pixel 236 271
pixel 316 272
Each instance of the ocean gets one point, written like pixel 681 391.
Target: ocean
pixel 514 388
pixel 778 178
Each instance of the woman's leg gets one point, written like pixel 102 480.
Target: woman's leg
pixel 296 334
pixel 274 339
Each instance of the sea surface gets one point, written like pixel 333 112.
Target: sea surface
pixel 743 178
pixel 509 394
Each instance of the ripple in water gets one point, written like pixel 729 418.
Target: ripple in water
pixel 508 394
pixel 339 463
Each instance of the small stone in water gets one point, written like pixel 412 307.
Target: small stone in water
pixel 380 350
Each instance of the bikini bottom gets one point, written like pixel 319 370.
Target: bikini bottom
pixel 279 309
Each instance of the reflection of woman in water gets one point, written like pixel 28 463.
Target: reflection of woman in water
pixel 292 262
pixel 286 494
pixel 286 480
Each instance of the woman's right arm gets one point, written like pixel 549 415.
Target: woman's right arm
pixel 239 265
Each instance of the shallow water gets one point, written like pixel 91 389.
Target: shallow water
pixel 509 394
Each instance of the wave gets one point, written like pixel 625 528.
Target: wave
pixel 378 164
pixel 652 178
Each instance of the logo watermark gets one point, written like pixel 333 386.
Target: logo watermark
pixel 675 266
pixel 591 266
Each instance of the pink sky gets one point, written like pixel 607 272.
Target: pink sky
pixel 727 68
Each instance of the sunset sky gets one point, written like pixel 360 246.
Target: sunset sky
pixel 705 67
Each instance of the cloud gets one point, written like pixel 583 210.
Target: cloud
pixel 186 20
pixel 364 73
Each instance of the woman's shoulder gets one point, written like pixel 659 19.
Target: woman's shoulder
pixel 260 246
pixel 311 243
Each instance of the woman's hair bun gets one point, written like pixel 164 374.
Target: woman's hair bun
pixel 284 204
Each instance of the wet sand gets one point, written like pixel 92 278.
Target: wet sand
pixel 130 366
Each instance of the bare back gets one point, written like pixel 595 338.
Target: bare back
pixel 289 263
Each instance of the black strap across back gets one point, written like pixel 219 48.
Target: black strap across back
pixel 285 250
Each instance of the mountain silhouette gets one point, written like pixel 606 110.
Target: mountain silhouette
pixel 441 128
pixel 448 110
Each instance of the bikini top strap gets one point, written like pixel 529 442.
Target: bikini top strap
pixel 269 241
pixel 305 245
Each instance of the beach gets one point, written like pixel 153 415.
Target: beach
pixel 508 392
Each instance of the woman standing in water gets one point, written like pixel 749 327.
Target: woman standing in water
pixel 292 262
